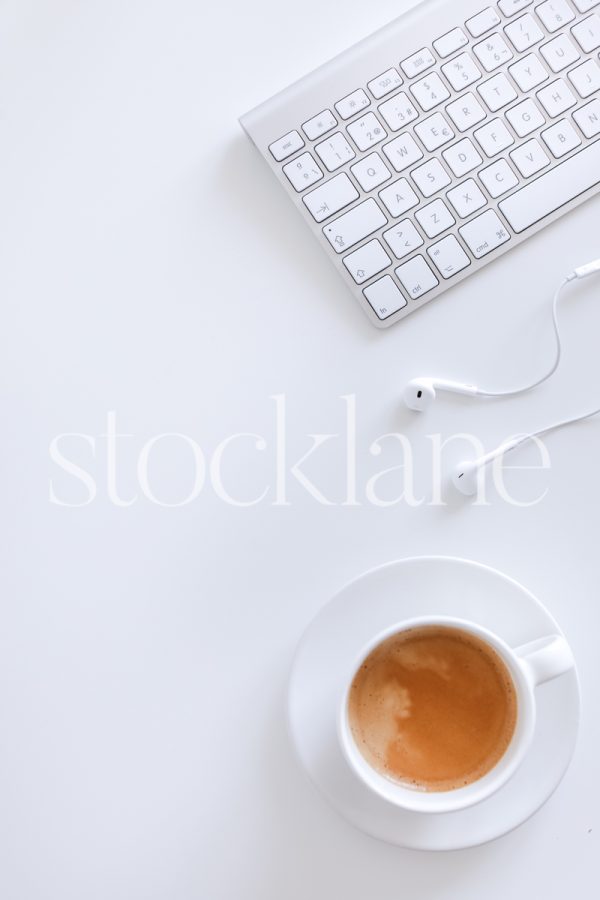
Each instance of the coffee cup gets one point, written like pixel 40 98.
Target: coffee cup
pixel 519 671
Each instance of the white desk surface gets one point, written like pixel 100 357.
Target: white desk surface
pixel 152 266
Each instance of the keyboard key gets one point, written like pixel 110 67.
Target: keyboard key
pixel 355 225
pixel 416 277
pixel 403 238
pixel 385 297
pixel 319 125
pixel 398 112
pixel 429 91
pixel 510 7
pixel 524 33
pixel 497 92
pixel 555 14
pixel 434 132
pixel 450 42
pixel 398 198
pixel 418 63
pixel 385 83
pixel 556 98
pixel 586 78
pixel 498 178
pixel 402 152
pixel 484 234
pixel 466 112
pixel 588 118
pixel 528 72
pixel 286 145
pixel 369 260
pixel 492 52
pixel 466 198
pixel 529 158
pixel 366 132
pixel 330 197
pixel 483 21
pixel 435 218
pixel 587 33
pixel 431 177
pixel 493 137
pixel 551 191
pixel 335 151
pixel 448 256
pixel 461 72
pixel 561 138
pixel 585 5
pixel 352 104
pixel 370 172
pixel 559 53
pixel 462 157
pixel 525 117
pixel 303 172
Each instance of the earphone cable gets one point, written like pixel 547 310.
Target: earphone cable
pixel 554 427
pixel 554 367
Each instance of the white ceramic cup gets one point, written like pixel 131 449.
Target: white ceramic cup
pixel 529 665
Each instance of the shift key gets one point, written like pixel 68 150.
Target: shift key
pixel 355 225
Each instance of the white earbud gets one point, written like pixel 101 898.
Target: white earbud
pixel 585 270
pixel 420 392
pixel 466 475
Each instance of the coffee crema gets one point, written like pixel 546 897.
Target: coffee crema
pixel 433 708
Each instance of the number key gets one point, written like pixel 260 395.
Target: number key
pixel 398 111
pixel 554 14
pixel 492 52
pixel 461 72
pixel 366 132
pixel 429 91
pixel 335 151
pixel 524 33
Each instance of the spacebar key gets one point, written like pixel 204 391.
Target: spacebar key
pixel 548 193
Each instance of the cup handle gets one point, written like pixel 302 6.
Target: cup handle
pixel 545 658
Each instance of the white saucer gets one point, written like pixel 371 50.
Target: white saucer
pixel 400 590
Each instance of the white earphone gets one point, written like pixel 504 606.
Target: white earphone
pixel 466 474
pixel 420 392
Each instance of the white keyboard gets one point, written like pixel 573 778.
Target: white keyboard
pixel 414 169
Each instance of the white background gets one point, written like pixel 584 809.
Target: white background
pixel 151 265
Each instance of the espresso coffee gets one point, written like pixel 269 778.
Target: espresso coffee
pixel 433 708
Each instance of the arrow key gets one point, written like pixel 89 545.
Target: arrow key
pixel 367 261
